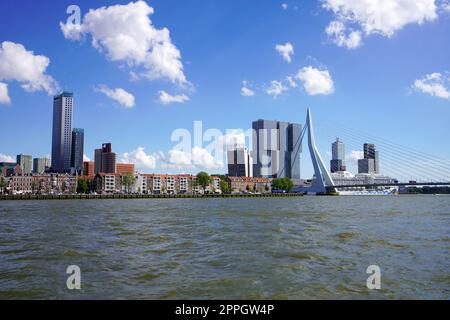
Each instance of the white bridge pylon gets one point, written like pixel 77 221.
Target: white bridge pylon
pixel 323 178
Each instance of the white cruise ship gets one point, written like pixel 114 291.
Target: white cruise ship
pixel 346 178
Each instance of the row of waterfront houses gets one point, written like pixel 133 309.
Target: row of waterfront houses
pixel 50 183
pixel 39 183
pixel 176 184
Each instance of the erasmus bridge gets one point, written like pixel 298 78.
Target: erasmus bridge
pixel 409 167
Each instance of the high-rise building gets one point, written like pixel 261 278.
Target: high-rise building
pixel 77 150
pixel 370 163
pixel 40 165
pixel 337 162
pixel 338 150
pixel 240 162
pixel 98 161
pixel 26 162
pixel 105 159
pixel 276 149
pixel 366 166
pixel 88 168
pixel 336 165
pixel 62 132
pixel 294 150
pixel 370 152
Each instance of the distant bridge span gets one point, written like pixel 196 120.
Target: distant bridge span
pixel 399 184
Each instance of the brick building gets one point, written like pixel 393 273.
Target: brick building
pixel 10 168
pixel 89 168
pixel 122 168
pixel 248 184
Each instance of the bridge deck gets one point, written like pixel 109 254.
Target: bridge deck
pixel 400 184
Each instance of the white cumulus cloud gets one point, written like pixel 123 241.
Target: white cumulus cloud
pixel 285 50
pixel 199 158
pixel 343 38
pixel 276 88
pixel 166 98
pixel 18 64
pixel 119 95
pixel 4 97
pixel 196 158
pixel 284 6
pixel 290 80
pixel 6 158
pixel 86 158
pixel 126 33
pixel 385 17
pixel 354 156
pixel 446 6
pixel 434 84
pixel 234 138
pixel 316 81
pixel 140 159
pixel 246 91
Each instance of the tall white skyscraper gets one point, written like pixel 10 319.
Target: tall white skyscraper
pixel 338 156
pixel 338 150
pixel 62 132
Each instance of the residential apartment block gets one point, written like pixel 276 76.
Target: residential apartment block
pixel 153 184
pixel 42 183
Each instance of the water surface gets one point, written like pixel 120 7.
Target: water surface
pixel 268 248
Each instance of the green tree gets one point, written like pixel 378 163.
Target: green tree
pixel 285 184
pixel 224 186
pixel 82 186
pixel 128 180
pixel 203 180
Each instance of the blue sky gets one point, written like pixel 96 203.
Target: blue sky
pixel 392 81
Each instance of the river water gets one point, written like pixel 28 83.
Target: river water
pixel 267 248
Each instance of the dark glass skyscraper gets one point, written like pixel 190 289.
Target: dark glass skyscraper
pixel 370 152
pixel 62 132
pixel 370 163
pixel 77 150
pixel 276 149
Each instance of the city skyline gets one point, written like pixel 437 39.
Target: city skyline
pixel 412 56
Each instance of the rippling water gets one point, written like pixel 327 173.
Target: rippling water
pixel 274 248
